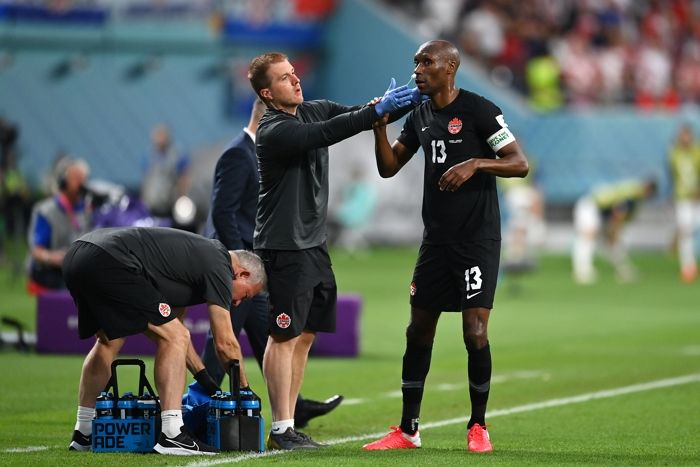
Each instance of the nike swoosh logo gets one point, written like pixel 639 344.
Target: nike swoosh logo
pixel 186 446
pixel 473 294
pixel 424 128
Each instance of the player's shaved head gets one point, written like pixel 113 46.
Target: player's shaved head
pixel 444 50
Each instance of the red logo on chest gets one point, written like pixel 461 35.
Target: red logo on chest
pixel 454 126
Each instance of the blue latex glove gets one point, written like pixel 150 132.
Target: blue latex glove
pixel 196 395
pixel 394 98
pixel 417 97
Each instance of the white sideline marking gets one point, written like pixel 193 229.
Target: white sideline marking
pixel 587 397
pixel 496 379
pixel 27 449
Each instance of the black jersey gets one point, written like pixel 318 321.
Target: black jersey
pixel 186 268
pixel 470 126
pixel 293 163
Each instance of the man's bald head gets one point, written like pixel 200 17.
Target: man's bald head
pixel 442 49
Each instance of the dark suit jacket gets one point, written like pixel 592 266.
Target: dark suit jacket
pixel 235 195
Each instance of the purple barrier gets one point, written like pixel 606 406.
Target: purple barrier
pixel 57 329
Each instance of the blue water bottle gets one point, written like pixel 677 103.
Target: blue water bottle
pixel 146 406
pixel 104 406
pixel 127 406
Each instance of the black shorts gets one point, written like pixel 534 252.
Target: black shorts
pixel 302 290
pixel 109 295
pixel 456 277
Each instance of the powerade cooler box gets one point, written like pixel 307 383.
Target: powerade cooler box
pixel 126 423
pixel 234 422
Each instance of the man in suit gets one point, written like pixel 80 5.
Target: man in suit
pixel 232 221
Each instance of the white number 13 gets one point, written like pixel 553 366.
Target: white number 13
pixel 438 145
pixel 473 282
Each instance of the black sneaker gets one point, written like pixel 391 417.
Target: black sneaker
pixel 289 440
pixel 80 442
pixel 306 409
pixel 183 444
pixel 309 439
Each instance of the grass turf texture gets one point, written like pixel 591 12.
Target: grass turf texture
pixel 550 339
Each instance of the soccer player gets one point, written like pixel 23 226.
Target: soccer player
pixel 290 232
pixel 128 281
pixel 684 165
pixel 467 144
pixel 606 208
pixel 232 221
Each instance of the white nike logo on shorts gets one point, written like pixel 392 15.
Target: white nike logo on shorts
pixel 473 294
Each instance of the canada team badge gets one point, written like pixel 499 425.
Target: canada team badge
pixel 412 289
pixel 283 320
pixel 164 309
pixel 454 126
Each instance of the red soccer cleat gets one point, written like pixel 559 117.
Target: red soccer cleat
pixel 396 439
pixel 478 439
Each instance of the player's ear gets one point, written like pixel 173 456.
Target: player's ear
pixel 266 94
pixel 243 274
pixel 451 67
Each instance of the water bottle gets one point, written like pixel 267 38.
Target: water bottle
pixel 126 406
pixel 146 406
pixel 214 405
pixel 228 405
pixel 250 403
pixel 104 406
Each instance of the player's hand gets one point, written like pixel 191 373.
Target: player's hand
pixel 382 122
pixel 393 99
pixel 456 175
pixel 205 380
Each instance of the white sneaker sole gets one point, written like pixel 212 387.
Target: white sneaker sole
pixel 79 447
pixel 181 451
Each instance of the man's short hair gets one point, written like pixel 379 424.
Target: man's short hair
pixel 254 265
pixel 257 71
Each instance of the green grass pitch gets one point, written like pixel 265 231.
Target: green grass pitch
pixel 551 341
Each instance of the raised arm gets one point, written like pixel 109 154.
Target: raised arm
pixel 390 158
pixel 288 135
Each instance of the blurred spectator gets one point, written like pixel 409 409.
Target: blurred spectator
pixel 55 223
pixel 354 214
pixel 524 230
pixel 543 83
pixel 167 174
pixel 580 69
pixel 15 196
pixel 684 165
pixel 482 33
pixel 607 208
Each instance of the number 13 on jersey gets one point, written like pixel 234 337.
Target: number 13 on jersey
pixel 438 146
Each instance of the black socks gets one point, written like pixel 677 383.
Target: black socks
pixel 479 370
pixel 416 363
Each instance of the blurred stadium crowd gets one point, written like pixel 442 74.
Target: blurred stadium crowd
pixel 577 52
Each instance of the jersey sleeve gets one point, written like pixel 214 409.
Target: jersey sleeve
pixel 334 109
pixel 288 135
pixel 408 136
pixel 218 282
pixel 491 125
